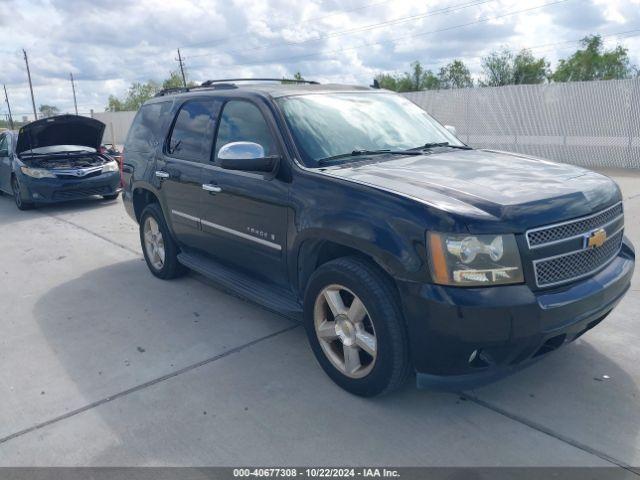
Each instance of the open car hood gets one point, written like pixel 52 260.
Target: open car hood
pixel 60 130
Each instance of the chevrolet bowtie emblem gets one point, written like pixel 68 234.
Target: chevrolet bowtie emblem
pixel 596 238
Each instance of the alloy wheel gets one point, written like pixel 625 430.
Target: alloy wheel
pixel 154 243
pixel 345 331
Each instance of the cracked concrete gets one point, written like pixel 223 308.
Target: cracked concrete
pixel 102 364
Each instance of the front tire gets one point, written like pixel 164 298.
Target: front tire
pixel 159 248
pixel 113 196
pixel 355 326
pixel 17 196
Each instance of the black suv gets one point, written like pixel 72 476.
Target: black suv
pixel 402 249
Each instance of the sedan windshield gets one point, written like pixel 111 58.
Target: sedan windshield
pixel 335 125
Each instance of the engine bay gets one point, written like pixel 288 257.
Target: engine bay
pixel 68 161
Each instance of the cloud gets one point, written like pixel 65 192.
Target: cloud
pixel 108 44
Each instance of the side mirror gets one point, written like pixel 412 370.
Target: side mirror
pixel 246 156
pixel 451 129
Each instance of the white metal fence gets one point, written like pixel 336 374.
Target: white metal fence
pixel 594 124
pixel 117 125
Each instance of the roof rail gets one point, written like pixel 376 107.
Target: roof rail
pixel 209 83
pixel 226 83
pixel 167 91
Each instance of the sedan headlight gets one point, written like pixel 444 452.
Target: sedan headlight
pixel 474 260
pixel 110 167
pixel 37 172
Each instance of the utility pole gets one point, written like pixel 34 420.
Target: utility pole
pixel 73 87
pixel 33 102
pixel 6 97
pixel 184 79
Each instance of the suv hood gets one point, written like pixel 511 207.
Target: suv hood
pixel 60 130
pixel 489 190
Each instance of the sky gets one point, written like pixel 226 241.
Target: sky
pixel 108 44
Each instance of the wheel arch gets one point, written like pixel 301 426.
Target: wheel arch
pixel 314 252
pixel 141 198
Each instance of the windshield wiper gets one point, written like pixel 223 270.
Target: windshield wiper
pixel 427 146
pixel 357 153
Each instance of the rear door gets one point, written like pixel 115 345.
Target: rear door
pixel 5 162
pixel 244 216
pixel 179 167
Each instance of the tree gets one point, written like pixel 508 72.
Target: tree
pixel 417 79
pixel 455 75
pixel 175 81
pixel 498 68
pixel 593 62
pixel 527 69
pixel 48 110
pixel 139 93
pixel 297 77
pixel 504 68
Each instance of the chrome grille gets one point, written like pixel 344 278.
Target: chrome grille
pixel 574 265
pixel 539 237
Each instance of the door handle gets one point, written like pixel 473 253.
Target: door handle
pixel 211 188
pixel 161 174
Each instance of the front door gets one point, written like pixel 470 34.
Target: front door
pixel 179 167
pixel 244 215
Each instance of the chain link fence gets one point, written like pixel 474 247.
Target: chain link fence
pixel 593 124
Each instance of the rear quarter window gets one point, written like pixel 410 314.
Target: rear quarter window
pixel 146 133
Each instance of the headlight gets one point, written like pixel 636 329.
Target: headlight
pixel 37 172
pixel 473 260
pixel 110 167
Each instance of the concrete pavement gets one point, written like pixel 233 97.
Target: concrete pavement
pixel 103 364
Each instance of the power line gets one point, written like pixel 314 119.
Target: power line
pixel 315 19
pixel 400 38
pixel 395 21
pixel 623 35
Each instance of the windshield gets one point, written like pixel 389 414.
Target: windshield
pixel 334 124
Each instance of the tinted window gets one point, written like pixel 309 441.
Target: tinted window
pixel 145 132
pixel 3 145
pixel 192 134
pixel 243 122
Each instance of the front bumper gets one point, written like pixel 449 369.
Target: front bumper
pixel 50 190
pixel 462 337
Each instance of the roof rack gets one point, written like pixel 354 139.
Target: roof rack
pixel 209 83
pixel 227 83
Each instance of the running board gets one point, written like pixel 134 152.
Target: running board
pixel 273 298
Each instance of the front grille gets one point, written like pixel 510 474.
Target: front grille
pixel 551 234
pixel 80 193
pixel 75 177
pixel 574 265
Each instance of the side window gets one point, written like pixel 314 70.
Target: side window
pixel 4 146
pixel 243 122
pixel 145 131
pixel 192 134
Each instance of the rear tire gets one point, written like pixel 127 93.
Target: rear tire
pixel 159 248
pixel 113 196
pixel 363 346
pixel 17 196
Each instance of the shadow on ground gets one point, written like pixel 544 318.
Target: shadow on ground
pixel 271 402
